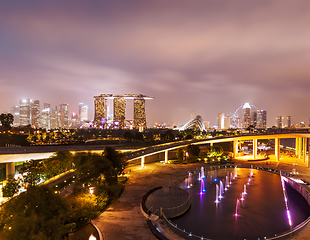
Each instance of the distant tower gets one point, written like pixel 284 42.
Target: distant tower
pixel 261 119
pixel 25 112
pixel 83 113
pixel 101 108
pixel 289 121
pixel 139 113
pixel 279 121
pixel 46 117
pixel 227 122
pixel 35 113
pixel 54 118
pixel 119 111
pixel 246 115
pixel 64 115
pixel 220 121
pixel 15 112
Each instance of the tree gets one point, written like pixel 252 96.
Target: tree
pixel 32 172
pixel 117 159
pixel 10 188
pixel 35 214
pixel 128 136
pixel 6 120
pixel 193 150
pixel 138 136
pixel 180 154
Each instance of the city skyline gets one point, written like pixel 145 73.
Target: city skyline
pixel 208 57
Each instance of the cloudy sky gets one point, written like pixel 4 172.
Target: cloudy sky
pixel 207 56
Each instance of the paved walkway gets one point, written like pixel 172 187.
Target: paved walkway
pixel 124 220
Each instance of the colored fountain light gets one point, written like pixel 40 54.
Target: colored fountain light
pixel 215 176
pixel 202 187
pixel 227 182
pixel 188 180
pixel 286 201
pixel 236 172
pixel 221 190
pixel 231 177
pixel 217 193
pixel 242 196
pixel 237 206
pixel 244 189
pixel 202 172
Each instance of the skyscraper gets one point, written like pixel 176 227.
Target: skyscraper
pixel 261 119
pixel 25 112
pixel 101 108
pixel 220 121
pixel 289 121
pixel 35 114
pixel 139 119
pixel 227 122
pixel 246 115
pixel 83 113
pixel 64 116
pixel 46 116
pixel 15 112
pixel 119 111
pixel 279 121
pixel 54 118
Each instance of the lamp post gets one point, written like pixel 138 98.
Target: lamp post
pixel 91 191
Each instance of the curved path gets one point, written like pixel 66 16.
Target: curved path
pixel 124 220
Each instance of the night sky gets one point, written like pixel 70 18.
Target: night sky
pixel 207 56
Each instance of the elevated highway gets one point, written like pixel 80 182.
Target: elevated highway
pixel 17 154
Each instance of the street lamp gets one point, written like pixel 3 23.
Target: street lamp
pixel 92 237
pixel 91 191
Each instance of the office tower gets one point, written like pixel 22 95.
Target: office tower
pixel 15 112
pixel 246 115
pixel 46 117
pixel 119 111
pixel 289 121
pixel 279 121
pixel 193 114
pixel 54 118
pixel 101 109
pixel 227 122
pixel 63 116
pixel 261 119
pixel 220 121
pixel 83 113
pixel 35 114
pixel 74 119
pixel 25 112
pixel 139 119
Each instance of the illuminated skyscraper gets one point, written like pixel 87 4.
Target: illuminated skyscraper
pixel 64 116
pixel 220 121
pixel 15 112
pixel 35 114
pixel 289 121
pixel 119 111
pixel 279 121
pixel 101 108
pixel 25 112
pixel 246 115
pixel 260 119
pixel 119 108
pixel 83 113
pixel 54 118
pixel 46 116
pixel 227 122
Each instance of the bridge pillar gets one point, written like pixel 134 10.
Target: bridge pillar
pixel 299 148
pixel 277 149
pixel 166 156
pixel 235 147
pixel 296 147
pixel 211 144
pixel 142 162
pixel 254 149
pixel 10 169
pixel 304 150
pixel 308 152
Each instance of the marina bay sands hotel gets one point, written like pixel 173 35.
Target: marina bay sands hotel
pixel 119 109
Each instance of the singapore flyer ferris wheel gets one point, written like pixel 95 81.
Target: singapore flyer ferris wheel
pixel 242 117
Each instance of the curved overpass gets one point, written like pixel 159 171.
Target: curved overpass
pixel 12 155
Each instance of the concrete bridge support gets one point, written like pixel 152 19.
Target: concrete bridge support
pixel 304 150
pixel 235 147
pixel 277 149
pixel 297 147
pixel 166 156
pixel 254 149
pixel 142 161
pixel 10 169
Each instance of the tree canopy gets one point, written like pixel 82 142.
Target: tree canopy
pixel 6 120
